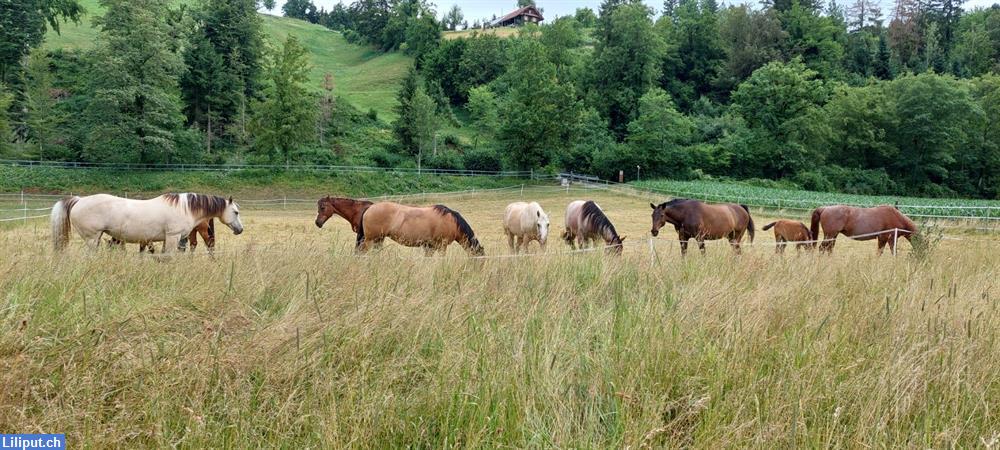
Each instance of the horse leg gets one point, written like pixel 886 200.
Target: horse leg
pixel 510 242
pixel 684 247
pixel 701 245
pixel 522 244
pixel 428 250
pixel 780 247
pixel 829 240
pixel 882 241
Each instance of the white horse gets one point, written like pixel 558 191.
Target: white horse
pixel 166 218
pixel 527 222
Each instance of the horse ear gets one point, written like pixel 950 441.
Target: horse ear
pixel 230 199
pixel 652 206
pixel 622 238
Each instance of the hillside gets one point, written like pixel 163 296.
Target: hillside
pixel 367 78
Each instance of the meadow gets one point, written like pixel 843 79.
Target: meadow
pixel 367 78
pixel 285 338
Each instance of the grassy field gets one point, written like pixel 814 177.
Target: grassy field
pixel 285 338
pixel 502 32
pixel 365 77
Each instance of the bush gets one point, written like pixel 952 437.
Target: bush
pixel 444 160
pixel 484 159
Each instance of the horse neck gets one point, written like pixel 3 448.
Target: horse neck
pixel 351 212
pixel 674 215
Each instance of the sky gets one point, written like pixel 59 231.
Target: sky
pixel 480 9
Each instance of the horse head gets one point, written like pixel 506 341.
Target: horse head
pixel 542 226
pixel 231 216
pixel 616 245
pixel 659 218
pixel 325 210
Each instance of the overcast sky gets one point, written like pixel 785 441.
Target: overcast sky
pixel 478 9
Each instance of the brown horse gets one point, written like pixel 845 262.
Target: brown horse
pixel 205 229
pixel 432 228
pixel 862 224
pixel 790 231
pixel 586 222
pixel 695 219
pixel 350 209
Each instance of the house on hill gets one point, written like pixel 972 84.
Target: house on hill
pixel 518 17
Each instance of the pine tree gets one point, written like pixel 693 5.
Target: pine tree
pixel 402 126
pixel 205 86
pixel 283 121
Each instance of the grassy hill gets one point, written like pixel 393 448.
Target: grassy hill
pixel 365 77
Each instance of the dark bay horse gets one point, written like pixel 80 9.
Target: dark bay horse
pixel 350 209
pixel 586 222
pixel 862 224
pixel 786 231
pixel 701 221
pixel 432 228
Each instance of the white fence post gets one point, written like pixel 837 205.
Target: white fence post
pixel 895 238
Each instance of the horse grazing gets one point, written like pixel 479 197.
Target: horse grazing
pixel 701 221
pixel 432 228
pixel 166 218
pixel 527 222
pixel 350 209
pixel 862 224
pixel 790 231
pixel 586 222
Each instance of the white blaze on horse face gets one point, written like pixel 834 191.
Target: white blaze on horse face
pixel 543 227
pixel 231 217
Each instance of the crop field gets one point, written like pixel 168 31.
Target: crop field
pixel 929 208
pixel 286 338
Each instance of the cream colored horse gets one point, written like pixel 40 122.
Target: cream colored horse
pixel 166 218
pixel 526 222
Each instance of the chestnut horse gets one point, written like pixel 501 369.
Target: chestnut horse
pixel 701 221
pixel 350 209
pixel 862 224
pixel 786 231
pixel 205 229
pixel 432 228
pixel 586 222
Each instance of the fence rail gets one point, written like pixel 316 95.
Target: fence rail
pixel 236 167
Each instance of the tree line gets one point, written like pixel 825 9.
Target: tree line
pixel 795 92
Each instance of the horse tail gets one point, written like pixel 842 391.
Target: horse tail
pixel 749 222
pixel 361 230
pixel 60 221
pixel 768 226
pixel 814 227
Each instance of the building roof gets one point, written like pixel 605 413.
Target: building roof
pixel 529 10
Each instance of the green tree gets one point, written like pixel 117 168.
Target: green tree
pixel 586 17
pixel 44 120
pixel 931 116
pixel 659 135
pixel 205 86
pixel 781 105
pixel 22 27
pixel 538 113
pixel 424 122
pixel 560 39
pixel 453 18
pixel 403 125
pixel 695 55
pixel 136 108
pixel 817 39
pixel 284 120
pixel 625 63
pixel 750 39
pixel 5 100
pixel 235 30
pixel 484 112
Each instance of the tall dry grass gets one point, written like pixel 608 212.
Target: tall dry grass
pixel 286 339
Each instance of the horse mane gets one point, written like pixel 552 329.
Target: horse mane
pixel 674 202
pixel 598 221
pixel 463 226
pixel 199 204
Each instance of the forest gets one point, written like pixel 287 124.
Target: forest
pixel 794 94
